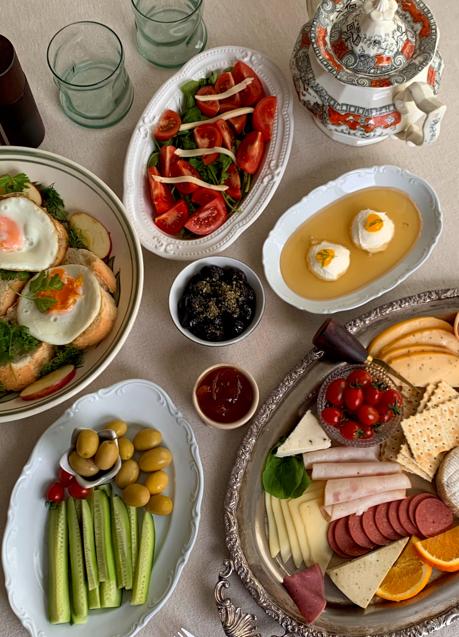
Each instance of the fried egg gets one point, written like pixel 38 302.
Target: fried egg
pixel 328 261
pixel 28 237
pixel 64 306
pixel 372 231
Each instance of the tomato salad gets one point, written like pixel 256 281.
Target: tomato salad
pixel 206 156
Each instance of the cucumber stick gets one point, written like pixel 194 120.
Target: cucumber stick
pixel 134 532
pixel 121 543
pixel 89 546
pixel 103 540
pixel 77 571
pixel 144 564
pixel 58 581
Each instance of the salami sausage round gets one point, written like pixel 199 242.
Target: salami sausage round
pixel 404 518
pixel 344 541
pixel 357 533
pixel 433 517
pixel 371 530
pixel 383 524
pixel 331 539
pixel 393 518
pixel 414 501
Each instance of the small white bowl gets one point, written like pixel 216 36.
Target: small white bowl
pixel 236 423
pixel 181 281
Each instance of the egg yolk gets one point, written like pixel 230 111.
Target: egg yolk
pixel 68 295
pixel 373 223
pixel 325 257
pixel 10 235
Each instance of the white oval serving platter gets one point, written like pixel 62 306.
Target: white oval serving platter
pixel 24 553
pixel 136 197
pixel 416 188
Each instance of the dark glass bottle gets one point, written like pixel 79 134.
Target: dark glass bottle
pixel 19 116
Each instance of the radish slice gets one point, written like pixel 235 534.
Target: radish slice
pixel 197 152
pixel 93 234
pixel 237 88
pixel 49 384
pixel 245 110
pixel 190 180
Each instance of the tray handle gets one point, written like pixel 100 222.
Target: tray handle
pixel 235 622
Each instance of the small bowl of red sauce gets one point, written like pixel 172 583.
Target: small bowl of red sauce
pixel 225 396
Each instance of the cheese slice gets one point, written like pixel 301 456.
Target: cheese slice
pixel 198 152
pixel 312 493
pixel 398 330
pixel 292 536
pixel 273 537
pixel 183 179
pixel 284 544
pixel 360 579
pixel 447 480
pixel 428 367
pixel 316 528
pixel 244 110
pixel 308 435
pixel 237 88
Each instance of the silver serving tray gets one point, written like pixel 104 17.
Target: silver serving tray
pixel 435 607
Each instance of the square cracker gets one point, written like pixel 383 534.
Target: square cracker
pixel 407 461
pixel 429 390
pixel 441 394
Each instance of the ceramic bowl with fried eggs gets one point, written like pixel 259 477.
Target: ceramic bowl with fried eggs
pixel 372 231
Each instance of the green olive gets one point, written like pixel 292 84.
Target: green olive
pixel 160 505
pixel 147 439
pixel 126 448
pixel 136 495
pixel 106 455
pixel 83 466
pixel 155 459
pixel 87 443
pixel 118 426
pixel 128 473
pixel 157 482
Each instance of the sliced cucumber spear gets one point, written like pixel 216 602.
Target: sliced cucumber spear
pixel 121 543
pixel 144 564
pixel 89 547
pixel 134 532
pixel 77 572
pixel 58 580
pixel 110 594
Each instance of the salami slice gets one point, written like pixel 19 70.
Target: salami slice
pixel 331 539
pixel 404 518
pixel 357 533
pixel 344 541
pixel 414 501
pixel 393 518
pixel 433 517
pixel 383 524
pixel 371 530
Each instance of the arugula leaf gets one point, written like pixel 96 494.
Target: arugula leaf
pixel 13 275
pixel 191 115
pixel 225 163
pixel 153 160
pixel 65 355
pixel 41 284
pixel 13 183
pixel 189 89
pixel 284 477
pixel 246 182
pixel 212 77
pixel 15 341
pixel 75 239
pixel 187 142
pixel 53 202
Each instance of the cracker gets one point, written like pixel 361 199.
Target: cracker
pixel 391 447
pixel 429 390
pixel 441 394
pixel 406 460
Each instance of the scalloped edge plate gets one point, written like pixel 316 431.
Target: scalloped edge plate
pixel 136 198
pixel 23 555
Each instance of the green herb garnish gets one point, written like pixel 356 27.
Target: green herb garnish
pixel 13 183
pixel 153 160
pixel 284 477
pixel 14 275
pixel 53 202
pixel 65 355
pixel 75 239
pixel 15 341
pixel 42 283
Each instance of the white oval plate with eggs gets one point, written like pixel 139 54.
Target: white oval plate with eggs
pixel 136 197
pixel 416 188
pixel 24 551
pixel 82 190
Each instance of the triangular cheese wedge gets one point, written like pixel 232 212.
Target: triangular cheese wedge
pixel 360 579
pixel 308 435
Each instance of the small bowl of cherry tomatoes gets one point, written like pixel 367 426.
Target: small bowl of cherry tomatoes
pixel 359 405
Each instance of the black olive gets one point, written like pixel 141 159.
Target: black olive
pixel 211 273
pixel 236 328
pixel 246 314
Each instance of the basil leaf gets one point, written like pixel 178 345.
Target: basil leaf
pixel 284 477
pixel 191 115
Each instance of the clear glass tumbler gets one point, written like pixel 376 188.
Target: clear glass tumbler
pixel 87 61
pixel 169 32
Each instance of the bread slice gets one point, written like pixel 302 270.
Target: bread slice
pixel 100 269
pixel 8 293
pixel 102 324
pixel 63 242
pixel 15 376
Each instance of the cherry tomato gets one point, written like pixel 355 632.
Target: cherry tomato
pixel 172 221
pixel 254 92
pixel 238 123
pixel 372 395
pixel 392 399
pixel 226 133
pixel 385 415
pixel 208 136
pixel 224 82
pixel 332 416
pixel 234 183
pixel 353 398
pixel 367 433
pixel 351 430
pixel 64 477
pixel 78 492
pixel 335 392
pixel 55 492
pixel 359 378
pixel 210 108
pixel 168 126
pixel 182 168
pixel 263 116
pixel 250 152
pixel 167 157
pixel 367 415
pixel 207 218
pixel 204 195
pixel 160 194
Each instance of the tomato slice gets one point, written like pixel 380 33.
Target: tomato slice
pixel 208 136
pixel 223 83
pixel 204 195
pixel 167 157
pixel 238 123
pixel 182 168
pixel 250 152
pixel 160 194
pixel 210 108
pixel 167 126
pixel 207 218
pixel 172 221
pixel 254 92
pixel 263 116
pixel 226 133
pixel 234 183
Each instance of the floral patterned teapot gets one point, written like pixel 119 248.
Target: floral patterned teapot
pixel 369 69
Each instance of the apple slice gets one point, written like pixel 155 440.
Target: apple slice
pixel 49 384
pixel 94 234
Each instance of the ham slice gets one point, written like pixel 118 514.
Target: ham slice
pixel 341 454
pixel 329 470
pixel 345 489
pixel 359 506
pixel 306 588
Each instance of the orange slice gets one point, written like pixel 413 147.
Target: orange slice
pixel 407 577
pixel 441 551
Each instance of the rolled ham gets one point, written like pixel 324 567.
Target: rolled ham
pixel 359 506
pixel 345 489
pixel 330 470
pixel 340 454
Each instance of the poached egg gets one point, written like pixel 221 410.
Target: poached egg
pixel 372 231
pixel 328 261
